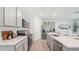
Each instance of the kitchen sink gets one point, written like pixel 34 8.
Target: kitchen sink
pixel 55 35
pixel 76 38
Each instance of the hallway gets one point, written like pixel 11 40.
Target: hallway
pixel 39 45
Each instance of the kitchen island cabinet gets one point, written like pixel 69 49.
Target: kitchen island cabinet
pixel 19 43
pixel 53 44
pixel 57 46
pixel 50 42
pixel 63 43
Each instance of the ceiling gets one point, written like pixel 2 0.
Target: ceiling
pixel 58 13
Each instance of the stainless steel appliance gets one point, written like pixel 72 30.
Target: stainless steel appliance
pixel 21 32
pixel 25 24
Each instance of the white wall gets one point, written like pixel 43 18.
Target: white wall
pixel 37 28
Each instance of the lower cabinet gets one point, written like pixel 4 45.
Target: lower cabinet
pixel 53 44
pixel 25 45
pixel 22 46
pixel 16 44
pixel 50 42
pixel 57 46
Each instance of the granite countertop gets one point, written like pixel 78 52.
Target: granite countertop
pixel 12 41
pixel 68 41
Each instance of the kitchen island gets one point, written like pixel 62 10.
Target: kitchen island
pixel 62 43
pixel 19 43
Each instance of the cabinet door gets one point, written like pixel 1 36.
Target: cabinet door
pixel 19 18
pixel 51 45
pixel 60 46
pixel 20 48
pixel 26 45
pixel 48 40
pixel 1 16
pixel 54 46
pixel 23 16
pixel 10 16
pixel 57 46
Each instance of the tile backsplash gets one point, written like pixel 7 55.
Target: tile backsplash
pixel 14 29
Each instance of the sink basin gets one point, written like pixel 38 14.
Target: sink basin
pixel 65 35
pixel 55 35
pixel 76 38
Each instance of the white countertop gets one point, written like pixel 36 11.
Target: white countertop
pixel 68 41
pixel 12 41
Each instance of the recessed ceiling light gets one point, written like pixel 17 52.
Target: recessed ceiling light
pixel 41 14
pixel 54 14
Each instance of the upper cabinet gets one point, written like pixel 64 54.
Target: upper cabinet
pixel 19 18
pixel 10 16
pixel 24 17
pixel 1 16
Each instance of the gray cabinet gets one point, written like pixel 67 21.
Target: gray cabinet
pixel 57 46
pixel 23 45
pixel 10 16
pixel 16 44
pixel 1 16
pixel 50 42
pixel 19 18
pixel 53 44
pixel 23 16
pixel 20 48
pixel 26 45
